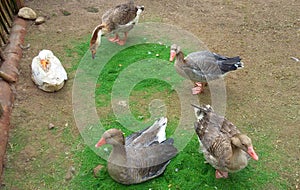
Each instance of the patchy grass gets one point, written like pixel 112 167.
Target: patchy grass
pixel 187 170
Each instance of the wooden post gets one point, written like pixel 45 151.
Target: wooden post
pixel 5 18
pixel 9 10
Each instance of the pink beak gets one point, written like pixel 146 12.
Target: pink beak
pixel 252 153
pixel 172 55
pixel 100 142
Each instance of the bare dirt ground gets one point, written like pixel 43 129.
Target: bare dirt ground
pixel 265 93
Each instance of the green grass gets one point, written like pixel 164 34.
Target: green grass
pixel 187 170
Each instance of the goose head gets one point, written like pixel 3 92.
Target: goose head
pixel 96 38
pixel 112 137
pixel 174 50
pixel 244 142
pixel 44 57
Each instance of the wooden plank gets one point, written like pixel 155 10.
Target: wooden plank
pixel 4 24
pixel 3 35
pixel 5 15
pixel 12 6
pixel 9 9
pixel 2 43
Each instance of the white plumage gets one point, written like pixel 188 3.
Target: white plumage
pixel 50 77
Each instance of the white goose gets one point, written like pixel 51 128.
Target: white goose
pixel 47 72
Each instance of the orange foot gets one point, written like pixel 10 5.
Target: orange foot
pixel 114 39
pixel 121 42
pixel 220 174
pixel 198 88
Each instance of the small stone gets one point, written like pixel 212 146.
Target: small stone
pixel 27 13
pixel 70 173
pixel 51 126
pixel 39 20
pixel 59 31
pixel 72 170
pixel 122 103
pixel 96 170
pixel 68 176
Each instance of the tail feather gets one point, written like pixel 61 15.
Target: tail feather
pixel 231 64
pixel 227 64
pixel 201 111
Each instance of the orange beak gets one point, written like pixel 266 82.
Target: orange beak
pixel 44 63
pixel 172 55
pixel 252 153
pixel 100 142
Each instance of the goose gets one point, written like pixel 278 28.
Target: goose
pixel 121 18
pixel 47 71
pixel 142 156
pixel 223 145
pixel 202 66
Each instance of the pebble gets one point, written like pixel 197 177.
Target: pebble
pixel 122 103
pixel 39 20
pixel 51 126
pixel 27 13
pixel 70 173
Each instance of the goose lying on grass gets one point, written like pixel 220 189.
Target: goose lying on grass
pixel 141 156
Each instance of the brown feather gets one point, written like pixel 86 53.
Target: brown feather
pixel 223 145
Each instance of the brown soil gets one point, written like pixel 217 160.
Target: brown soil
pixel 265 93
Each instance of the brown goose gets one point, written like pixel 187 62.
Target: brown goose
pixel 202 66
pixel 141 156
pixel 223 145
pixel 121 18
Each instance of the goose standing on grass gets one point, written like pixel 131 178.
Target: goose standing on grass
pixel 223 145
pixel 202 65
pixel 121 18
pixel 141 156
pixel 47 71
